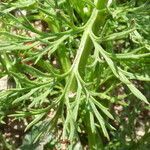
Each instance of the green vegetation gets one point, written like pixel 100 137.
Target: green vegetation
pixel 80 74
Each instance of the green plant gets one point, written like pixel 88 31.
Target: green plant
pixel 69 68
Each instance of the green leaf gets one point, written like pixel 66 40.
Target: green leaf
pixel 17 46
pixel 33 71
pixel 37 119
pixel 116 70
pixel 26 96
pixel 99 118
pixel 119 35
pixel 102 108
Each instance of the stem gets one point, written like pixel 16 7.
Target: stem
pixel 5 60
pixel 95 26
pixel 96 20
pixel 63 58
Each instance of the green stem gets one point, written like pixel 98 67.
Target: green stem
pixel 63 58
pixel 96 20
pixel 5 60
pixel 95 26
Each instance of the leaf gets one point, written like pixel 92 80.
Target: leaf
pixel 99 118
pixel 102 108
pixel 119 35
pixel 18 37
pixel 33 71
pixel 40 99
pixel 26 96
pixel 131 56
pixel 92 123
pixel 37 119
pixel 17 46
pixel 108 60
pixel 23 79
pixel 120 75
pixel 18 4
pixel 145 77
pixel 23 3
pixel 77 101
pixel 132 88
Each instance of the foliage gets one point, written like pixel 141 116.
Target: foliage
pixel 68 61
